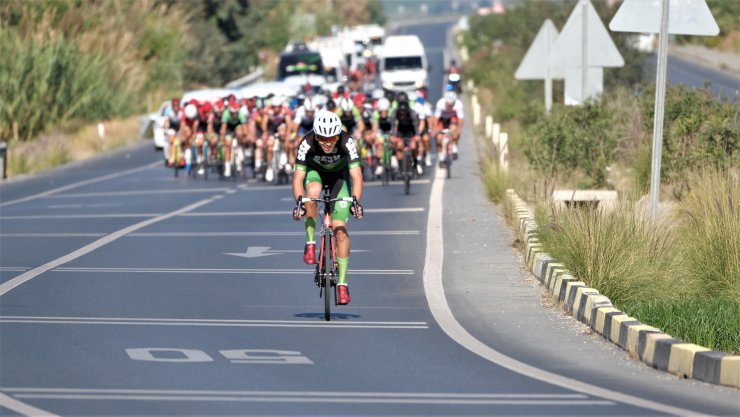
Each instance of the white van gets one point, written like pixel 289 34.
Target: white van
pixel 403 63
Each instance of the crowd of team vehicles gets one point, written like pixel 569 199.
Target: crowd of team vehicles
pixel 253 132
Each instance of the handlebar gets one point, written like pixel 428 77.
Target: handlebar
pixel 321 200
pixel 326 200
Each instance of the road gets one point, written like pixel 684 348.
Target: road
pixel 126 291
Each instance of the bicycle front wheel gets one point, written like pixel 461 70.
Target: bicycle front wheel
pixel 407 167
pixel 328 269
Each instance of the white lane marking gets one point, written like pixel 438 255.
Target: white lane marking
pixel 63 206
pixel 272 234
pixel 51 234
pixel 20 279
pixel 144 192
pixel 282 212
pixel 14 268
pixel 262 251
pixel 81 216
pixel 80 184
pixel 21 408
pixel 307 396
pixel 399 182
pixel 443 316
pixel 212 323
pixel 198 214
pixel 228 271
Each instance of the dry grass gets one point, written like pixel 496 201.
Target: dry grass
pixel 59 148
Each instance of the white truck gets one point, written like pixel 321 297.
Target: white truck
pixel 403 64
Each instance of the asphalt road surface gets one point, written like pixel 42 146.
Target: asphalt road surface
pixel 125 291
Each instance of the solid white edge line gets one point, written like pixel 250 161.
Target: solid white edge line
pixel 442 314
pixel 80 184
pixel 20 279
pixel 22 408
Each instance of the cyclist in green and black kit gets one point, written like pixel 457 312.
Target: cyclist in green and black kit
pixel 328 156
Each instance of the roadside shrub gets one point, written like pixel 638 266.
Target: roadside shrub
pixel 68 60
pixel 699 130
pixel 573 138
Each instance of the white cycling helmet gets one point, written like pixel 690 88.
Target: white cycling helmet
pixel 384 104
pixel 277 101
pixel 378 93
pixel 191 111
pixel 307 105
pixel 450 97
pixel 327 124
pixel 345 104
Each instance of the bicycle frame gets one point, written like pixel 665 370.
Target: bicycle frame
pixel 446 157
pixel 326 273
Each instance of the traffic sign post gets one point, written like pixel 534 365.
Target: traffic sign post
pixel 534 66
pixel 584 43
pixel 689 17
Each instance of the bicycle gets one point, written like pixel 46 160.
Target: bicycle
pixel 279 162
pixel 407 166
pixel 445 160
pixel 387 155
pixel 326 274
pixel 177 158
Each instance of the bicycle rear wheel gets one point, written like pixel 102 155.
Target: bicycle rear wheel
pixel 328 269
pixel 407 173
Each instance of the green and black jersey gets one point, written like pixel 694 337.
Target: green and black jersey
pixel 312 157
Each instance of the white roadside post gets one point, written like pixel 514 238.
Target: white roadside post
pixel 489 125
pixel 503 153
pixel 495 136
pixel 684 17
pixel 476 111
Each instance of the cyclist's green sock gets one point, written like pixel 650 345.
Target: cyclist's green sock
pixel 310 228
pixel 342 264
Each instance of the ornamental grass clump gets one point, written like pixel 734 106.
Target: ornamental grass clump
pixel 708 228
pixel 618 251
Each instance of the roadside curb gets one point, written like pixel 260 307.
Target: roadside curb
pixel 587 305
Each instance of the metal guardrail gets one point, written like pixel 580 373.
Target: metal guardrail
pixel 244 81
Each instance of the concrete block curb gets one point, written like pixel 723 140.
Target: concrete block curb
pixel 650 345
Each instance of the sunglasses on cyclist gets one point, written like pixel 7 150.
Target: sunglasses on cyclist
pixel 327 139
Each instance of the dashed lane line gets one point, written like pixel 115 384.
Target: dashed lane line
pixel 196 214
pixel 133 321
pixel 212 271
pixel 346 397
pixel 26 276
pixel 79 184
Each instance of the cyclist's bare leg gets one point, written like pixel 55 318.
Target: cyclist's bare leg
pixel 258 151
pixel 340 231
pixel 270 153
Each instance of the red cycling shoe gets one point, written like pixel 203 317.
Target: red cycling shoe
pixel 343 297
pixel 309 253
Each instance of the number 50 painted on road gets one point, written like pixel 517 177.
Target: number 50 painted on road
pixel 249 356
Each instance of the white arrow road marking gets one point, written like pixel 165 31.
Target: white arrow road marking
pixel 255 252
pixel 260 251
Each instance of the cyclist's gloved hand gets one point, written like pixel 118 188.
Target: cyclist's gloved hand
pixel 299 211
pixel 356 208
